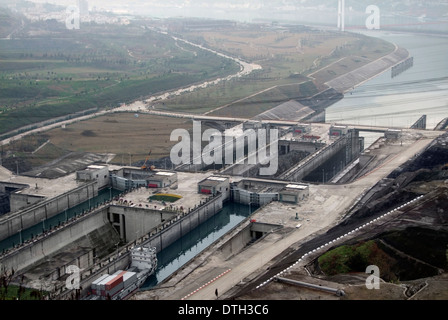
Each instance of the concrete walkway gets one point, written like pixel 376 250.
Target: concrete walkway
pixel 261 253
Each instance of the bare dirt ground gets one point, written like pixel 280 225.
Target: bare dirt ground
pixel 353 285
pixel 128 136
pixel 322 211
pixel 426 214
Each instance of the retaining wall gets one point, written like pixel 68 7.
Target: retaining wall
pixel 45 245
pixel 133 222
pixel 11 223
pixel 181 226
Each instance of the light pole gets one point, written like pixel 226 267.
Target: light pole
pixel 116 257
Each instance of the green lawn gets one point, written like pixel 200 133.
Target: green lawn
pixel 25 294
pixel 165 197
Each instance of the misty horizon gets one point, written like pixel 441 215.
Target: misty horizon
pixel 304 11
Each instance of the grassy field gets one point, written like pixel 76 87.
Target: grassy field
pixel 44 76
pixel 129 137
pixel 126 135
pixel 30 152
pixel 287 59
pixel 252 106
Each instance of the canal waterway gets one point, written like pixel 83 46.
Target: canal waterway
pixel 45 225
pixel 171 258
pixel 189 246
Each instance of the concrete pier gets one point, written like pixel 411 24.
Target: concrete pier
pixel 402 67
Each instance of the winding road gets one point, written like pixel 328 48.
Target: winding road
pixel 245 69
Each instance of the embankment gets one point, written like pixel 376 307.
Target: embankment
pixel 357 77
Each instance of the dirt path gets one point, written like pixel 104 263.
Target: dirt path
pixel 246 68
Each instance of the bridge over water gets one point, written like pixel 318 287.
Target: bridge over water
pixel 358 127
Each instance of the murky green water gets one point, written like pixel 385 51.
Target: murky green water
pixel 45 225
pixel 180 252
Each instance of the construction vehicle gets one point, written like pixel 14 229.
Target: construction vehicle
pixel 144 166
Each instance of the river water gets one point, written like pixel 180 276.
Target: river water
pixel 402 100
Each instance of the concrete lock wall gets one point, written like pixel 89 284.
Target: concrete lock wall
pixel 314 161
pixel 11 186
pixel 38 249
pixel 251 232
pixel 84 261
pixel 182 226
pixel 35 251
pixel 19 201
pixel 306 146
pixel 237 242
pixel 11 223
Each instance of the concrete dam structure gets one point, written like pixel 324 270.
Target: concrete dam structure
pixel 86 239
pixel 301 148
pixel 349 144
pixel 23 215
pixel 420 123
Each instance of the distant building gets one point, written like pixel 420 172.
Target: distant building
pixel 127 178
pixel 213 185
pixel 162 179
pixel 261 192
pixel 338 131
pixel 293 193
pixel 94 172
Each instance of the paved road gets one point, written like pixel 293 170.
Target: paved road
pixel 264 252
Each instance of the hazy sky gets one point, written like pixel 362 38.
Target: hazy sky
pixel 225 9
pixel 247 10
pixel 136 6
